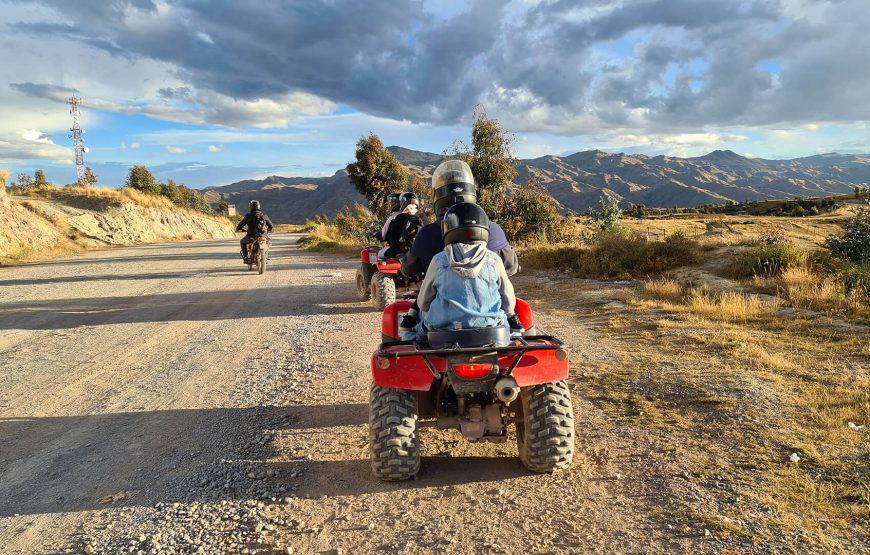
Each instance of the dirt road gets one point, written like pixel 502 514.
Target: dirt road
pixel 161 399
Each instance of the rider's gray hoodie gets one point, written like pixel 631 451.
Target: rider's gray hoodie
pixel 467 260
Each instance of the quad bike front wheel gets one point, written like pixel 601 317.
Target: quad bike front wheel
pixel 364 282
pixel 545 431
pixel 383 290
pixel 394 438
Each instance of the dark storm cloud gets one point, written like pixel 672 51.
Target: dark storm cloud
pixel 686 63
pixel 42 90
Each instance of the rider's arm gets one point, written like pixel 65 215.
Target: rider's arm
pixel 242 223
pixel 509 258
pixel 268 222
pixel 506 289
pixel 427 288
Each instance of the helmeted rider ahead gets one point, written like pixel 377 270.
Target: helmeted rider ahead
pixel 466 285
pixel 256 224
pixel 394 205
pixel 452 183
pixel 404 227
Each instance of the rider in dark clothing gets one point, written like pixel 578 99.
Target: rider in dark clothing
pixel 452 183
pixel 251 224
pixel 430 242
pixel 404 226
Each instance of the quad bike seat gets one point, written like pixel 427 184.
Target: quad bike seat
pixel 499 336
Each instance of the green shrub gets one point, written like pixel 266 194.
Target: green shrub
pixel 853 243
pixel 766 260
pixel 608 216
pixel 529 214
pixel 355 225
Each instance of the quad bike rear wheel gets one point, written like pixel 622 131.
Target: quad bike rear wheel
pixel 394 438
pixel 261 262
pixel 383 290
pixel 364 282
pixel 545 431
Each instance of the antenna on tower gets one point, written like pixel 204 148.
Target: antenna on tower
pixel 76 135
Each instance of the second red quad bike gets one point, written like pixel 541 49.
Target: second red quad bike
pixel 378 280
pixel 476 381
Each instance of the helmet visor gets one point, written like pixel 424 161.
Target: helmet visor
pixel 452 172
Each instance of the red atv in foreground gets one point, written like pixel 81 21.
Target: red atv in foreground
pixel 377 280
pixel 463 380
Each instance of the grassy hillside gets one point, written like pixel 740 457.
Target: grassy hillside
pixel 50 221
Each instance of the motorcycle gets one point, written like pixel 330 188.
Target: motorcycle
pixel 258 253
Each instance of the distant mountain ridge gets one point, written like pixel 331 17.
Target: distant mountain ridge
pixel 578 180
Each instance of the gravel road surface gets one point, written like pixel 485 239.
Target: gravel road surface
pixel 163 399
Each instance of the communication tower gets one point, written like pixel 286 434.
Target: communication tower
pixel 79 142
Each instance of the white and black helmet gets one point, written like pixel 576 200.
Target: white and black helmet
pixel 408 198
pixel 255 205
pixel 465 222
pixel 452 183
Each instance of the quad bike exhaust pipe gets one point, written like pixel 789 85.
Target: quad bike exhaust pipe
pixel 507 390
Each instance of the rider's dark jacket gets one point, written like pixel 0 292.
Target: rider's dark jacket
pixel 430 242
pixel 250 221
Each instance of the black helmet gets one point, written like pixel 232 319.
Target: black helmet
pixel 465 223
pixel 393 202
pixel 255 205
pixel 452 182
pixel 407 198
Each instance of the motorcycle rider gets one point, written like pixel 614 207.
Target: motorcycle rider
pixel 403 229
pixel 257 224
pixel 466 285
pixel 452 183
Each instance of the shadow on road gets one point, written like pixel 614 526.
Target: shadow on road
pixel 307 299
pixel 122 277
pixel 58 464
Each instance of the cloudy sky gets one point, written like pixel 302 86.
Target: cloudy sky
pixel 212 91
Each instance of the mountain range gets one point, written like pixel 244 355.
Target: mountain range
pixel 579 180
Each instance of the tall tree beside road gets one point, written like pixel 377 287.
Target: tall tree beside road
pixel 376 173
pixel 143 180
pixel 491 159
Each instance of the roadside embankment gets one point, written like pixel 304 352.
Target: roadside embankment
pixel 52 221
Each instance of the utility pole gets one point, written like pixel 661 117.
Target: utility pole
pixel 76 135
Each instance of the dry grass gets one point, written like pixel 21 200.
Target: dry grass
pixel 807 289
pixel 664 288
pixel 736 387
pixel 326 238
pixel 730 306
pixel 618 254
pixel 101 197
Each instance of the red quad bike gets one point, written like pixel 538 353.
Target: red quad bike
pixel 377 280
pixel 461 380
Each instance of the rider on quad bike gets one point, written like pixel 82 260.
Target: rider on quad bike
pixel 452 183
pixel 394 205
pixel 466 285
pixel 404 227
pixel 256 223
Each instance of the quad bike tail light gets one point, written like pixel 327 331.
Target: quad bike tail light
pixel 471 371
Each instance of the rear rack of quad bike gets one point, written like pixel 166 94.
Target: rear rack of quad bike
pixel 519 345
